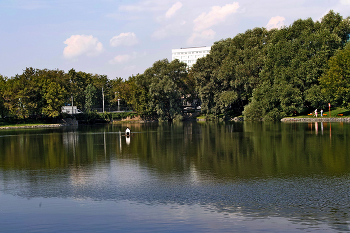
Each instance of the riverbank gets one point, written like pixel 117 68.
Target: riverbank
pixel 33 126
pixel 317 119
pixel 64 122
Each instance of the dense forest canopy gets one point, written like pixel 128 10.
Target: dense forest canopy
pixel 262 74
pixel 270 74
pixel 43 92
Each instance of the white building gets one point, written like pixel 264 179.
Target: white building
pixel 190 55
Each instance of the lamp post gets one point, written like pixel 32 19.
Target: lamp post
pixel 103 101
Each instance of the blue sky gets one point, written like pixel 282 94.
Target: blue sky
pixel 119 38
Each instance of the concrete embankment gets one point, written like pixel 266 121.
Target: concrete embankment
pixel 317 119
pixel 33 126
pixel 64 122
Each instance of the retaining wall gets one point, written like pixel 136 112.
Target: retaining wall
pixel 317 119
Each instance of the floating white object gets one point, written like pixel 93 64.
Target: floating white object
pixel 127 139
pixel 127 131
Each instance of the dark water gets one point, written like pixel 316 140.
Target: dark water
pixel 185 177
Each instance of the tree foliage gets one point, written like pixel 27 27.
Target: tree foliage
pixel 335 82
pixel 158 91
pixel 226 78
pixel 90 92
pixel 296 57
pixel 266 75
pixel 42 93
pixel 3 110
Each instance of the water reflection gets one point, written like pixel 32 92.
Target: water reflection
pixel 295 171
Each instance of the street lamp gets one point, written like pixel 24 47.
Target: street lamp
pixel 103 101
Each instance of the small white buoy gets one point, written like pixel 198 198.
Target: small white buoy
pixel 127 131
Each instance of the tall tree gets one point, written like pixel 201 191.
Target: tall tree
pixel 159 90
pixel 335 82
pixel 296 57
pixel 90 93
pixel 3 110
pixel 226 78
pixel 54 99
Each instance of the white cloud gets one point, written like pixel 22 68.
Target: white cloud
pixel 275 22
pixel 173 10
pixel 204 35
pixel 216 15
pixel 120 59
pixel 345 2
pixel 128 39
pixel 125 58
pixel 82 45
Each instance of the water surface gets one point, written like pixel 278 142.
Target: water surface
pixel 191 177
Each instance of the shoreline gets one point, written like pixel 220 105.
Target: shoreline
pixel 317 119
pixel 288 119
pixel 34 126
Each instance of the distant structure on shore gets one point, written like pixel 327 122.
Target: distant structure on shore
pixel 190 55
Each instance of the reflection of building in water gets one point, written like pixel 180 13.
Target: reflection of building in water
pixel 187 133
pixel 191 132
pixel 70 139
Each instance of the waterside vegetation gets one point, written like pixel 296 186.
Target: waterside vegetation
pixel 260 74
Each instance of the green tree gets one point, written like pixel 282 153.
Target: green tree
pixel 35 93
pixel 123 90
pixel 335 82
pixel 159 90
pixel 3 110
pixel 23 94
pixel 54 99
pixel 296 57
pixel 76 88
pixel 90 93
pixel 226 78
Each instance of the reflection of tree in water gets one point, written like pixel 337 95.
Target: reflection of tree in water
pixel 252 169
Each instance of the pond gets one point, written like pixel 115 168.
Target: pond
pixel 188 177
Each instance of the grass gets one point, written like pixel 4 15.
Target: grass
pixel 22 125
pixel 334 113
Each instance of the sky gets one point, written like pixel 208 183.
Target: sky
pixel 120 38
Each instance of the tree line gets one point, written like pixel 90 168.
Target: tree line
pixel 268 75
pixel 262 74
pixel 42 93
